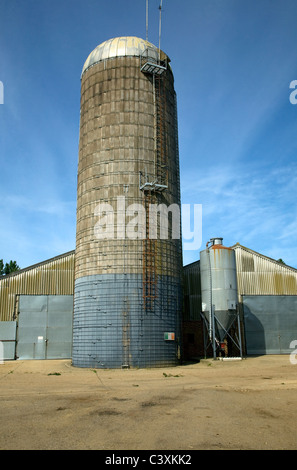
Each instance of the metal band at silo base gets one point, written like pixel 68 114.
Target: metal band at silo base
pixel 111 328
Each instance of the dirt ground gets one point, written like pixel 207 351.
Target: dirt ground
pixel 248 404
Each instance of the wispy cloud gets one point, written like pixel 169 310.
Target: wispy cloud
pixel 32 230
pixel 247 205
pixel 58 208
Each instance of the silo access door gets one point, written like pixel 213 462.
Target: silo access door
pixel 44 327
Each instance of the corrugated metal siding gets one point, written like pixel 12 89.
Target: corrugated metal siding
pixel 270 323
pixel 52 277
pixel 113 330
pixel 192 292
pixel 260 275
pixel 44 327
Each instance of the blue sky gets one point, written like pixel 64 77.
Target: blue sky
pixel 233 62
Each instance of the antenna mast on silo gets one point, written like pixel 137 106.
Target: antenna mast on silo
pixel 160 8
pixel 146 23
pixel 160 20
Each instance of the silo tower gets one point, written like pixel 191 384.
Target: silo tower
pixel 219 297
pixel 127 296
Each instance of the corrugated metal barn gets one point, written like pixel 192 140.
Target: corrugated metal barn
pixel 267 302
pixel 267 296
pixel 36 308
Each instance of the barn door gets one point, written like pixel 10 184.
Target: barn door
pixel 44 327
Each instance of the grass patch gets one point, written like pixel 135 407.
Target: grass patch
pixel 171 375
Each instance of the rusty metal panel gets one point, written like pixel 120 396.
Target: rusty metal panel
pixel 52 277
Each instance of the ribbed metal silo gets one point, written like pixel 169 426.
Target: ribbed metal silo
pixel 127 297
pixel 219 292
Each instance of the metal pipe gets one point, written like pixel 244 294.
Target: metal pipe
pixel 211 311
pixel 239 332
pixel 160 8
pixel 147 19
pixel 210 294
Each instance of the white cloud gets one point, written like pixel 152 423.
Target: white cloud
pixel 256 209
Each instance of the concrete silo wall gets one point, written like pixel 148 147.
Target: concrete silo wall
pixel 116 322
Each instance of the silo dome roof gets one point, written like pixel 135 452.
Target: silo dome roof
pixel 122 46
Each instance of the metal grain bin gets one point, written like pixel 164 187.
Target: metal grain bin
pixel 127 297
pixel 218 288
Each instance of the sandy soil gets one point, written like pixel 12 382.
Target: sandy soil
pixel 248 404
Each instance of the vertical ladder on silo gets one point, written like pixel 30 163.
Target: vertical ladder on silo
pixel 149 277
pixel 154 185
pixel 161 150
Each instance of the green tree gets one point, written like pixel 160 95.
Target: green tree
pixel 8 268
